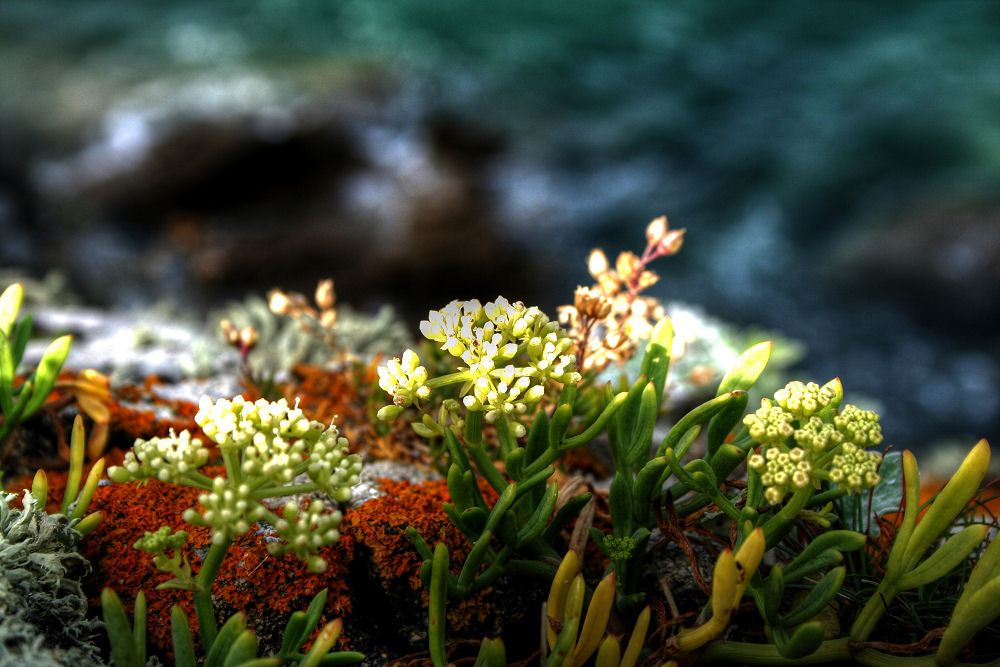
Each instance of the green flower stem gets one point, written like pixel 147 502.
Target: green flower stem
pixel 780 521
pixel 825 497
pixel 450 378
pixel 485 465
pixel 275 491
pixel 197 480
pixel 231 459
pixel 591 431
pixel 829 652
pixel 474 426
pixel 205 611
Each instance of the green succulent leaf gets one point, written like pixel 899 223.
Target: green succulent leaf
pixel 491 654
pixel 225 639
pixel 119 630
pixel 46 373
pixel 823 550
pixel 10 305
pixel 803 642
pixel 972 614
pixel 183 641
pixel 747 369
pixel 817 599
pixel 945 558
pixel 656 360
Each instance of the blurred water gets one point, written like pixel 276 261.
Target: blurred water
pixel 770 131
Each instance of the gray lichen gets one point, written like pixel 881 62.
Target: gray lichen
pixel 43 611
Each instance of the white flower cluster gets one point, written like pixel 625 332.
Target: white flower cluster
pixel 278 442
pixel 511 351
pixel 404 380
pixel 266 446
pixel 166 459
pixel 802 444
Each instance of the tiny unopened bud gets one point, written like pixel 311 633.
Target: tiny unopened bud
pixel 627 265
pixel 278 302
pixel 249 337
pixel 597 263
pixel 325 296
pixel 230 332
pixel 671 242
pixel 656 230
pixel 328 319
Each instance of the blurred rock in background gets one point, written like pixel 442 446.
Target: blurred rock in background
pixel 835 165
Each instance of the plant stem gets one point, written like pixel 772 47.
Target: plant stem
pixel 866 621
pixel 787 514
pixel 831 651
pixel 203 607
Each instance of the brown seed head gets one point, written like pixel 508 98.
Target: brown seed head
pixel 591 303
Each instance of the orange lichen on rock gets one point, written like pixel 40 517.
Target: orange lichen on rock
pixel 325 395
pixel 380 525
pixel 143 423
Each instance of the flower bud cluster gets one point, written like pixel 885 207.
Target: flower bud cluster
pixel 332 467
pixel 781 472
pixel 770 424
pixel 803 400
pixel 306 531
pixel 855 468
pixel 511 351
pixel 859 426
pixel 817 435
pixel 166 459
pixel 161 540
pixel 277 442
pixel 157 544
pixel 229 510
pixel 803 444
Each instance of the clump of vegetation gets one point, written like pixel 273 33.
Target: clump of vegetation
pixel 815 530
pixel 43 610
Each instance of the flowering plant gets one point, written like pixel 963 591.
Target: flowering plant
pixel 266 448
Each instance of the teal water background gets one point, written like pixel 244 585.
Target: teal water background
pixel 771 131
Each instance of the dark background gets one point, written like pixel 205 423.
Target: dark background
pixel 836 165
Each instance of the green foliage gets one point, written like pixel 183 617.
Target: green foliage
pixel 21 402
pixel 234 645
pixel 282 342
pixel 806 458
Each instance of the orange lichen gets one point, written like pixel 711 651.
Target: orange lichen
pixel 380 524
pixel 142 423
